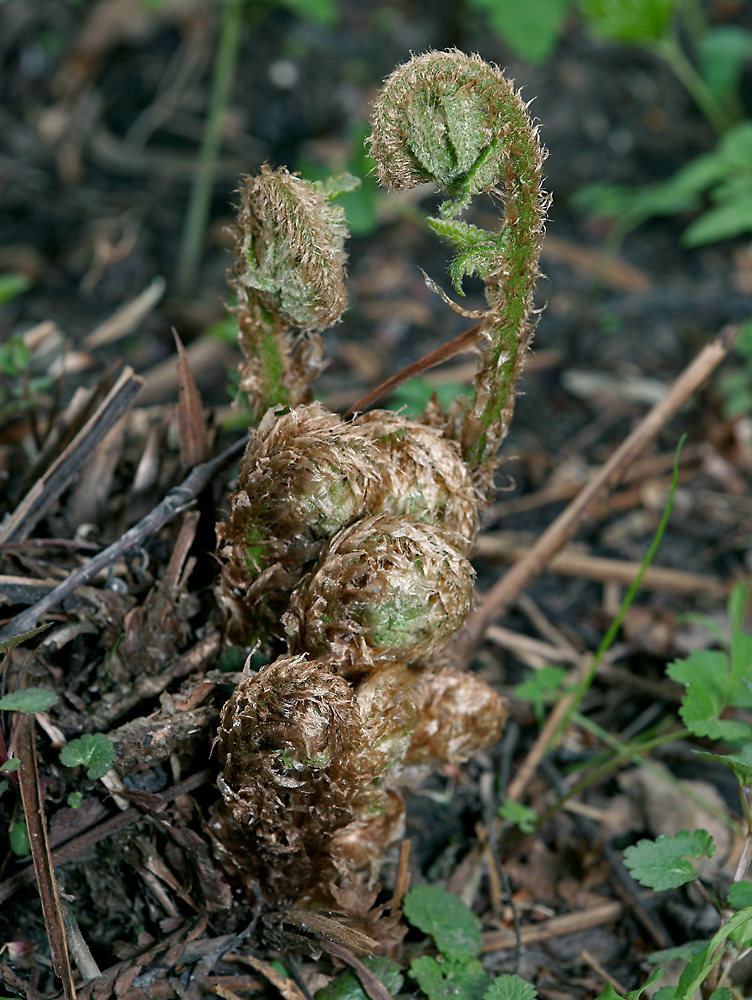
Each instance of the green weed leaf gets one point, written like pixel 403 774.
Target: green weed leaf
pixel 740 895
pixel 510 988
pixel 522 816
pixel 347 985
pixel 740 762
pixel 30 701
pixel 13 285
pixel 11 765
pixel 442 915
pixel 722 993
pixel 710 685
pixel 324 12
pixel 542 687
pixel 450 979
pixel 610 993
pixel 720 223
pixel 7 644
pixel 684 952
pixel 662 863
pixel 723 51
pixel 18 839
pixel 94 750
pixel 638 22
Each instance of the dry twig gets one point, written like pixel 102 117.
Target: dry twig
pixel 176 501
pixel 28 779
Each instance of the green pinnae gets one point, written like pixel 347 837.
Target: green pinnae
pixel 397 621
pixel 255 548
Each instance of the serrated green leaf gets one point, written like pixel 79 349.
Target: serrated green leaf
pixel 18 839
pixel 30 701
pixel 662 864
pixel 510 987
pixel 453 926
pixel 479 260
pixel 461 235
pixel 542 686
pixel 722 993
pixel 7 644
pixel 706 674
pixel 347 986
pixel 739 895
pixel 334 187
pixel 94 750
pixel 450 979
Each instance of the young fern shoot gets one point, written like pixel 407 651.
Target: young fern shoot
pixel 455 120
pixel 289 273
pixel 345 553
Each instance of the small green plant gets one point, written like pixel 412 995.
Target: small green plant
pixel 736 386
pixel 723 177
pixel 456 973
pixel 708 60
pixel 718 687
pixel 20 389
pixel 94 750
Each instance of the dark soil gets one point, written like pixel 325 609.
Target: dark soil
pixel 101 115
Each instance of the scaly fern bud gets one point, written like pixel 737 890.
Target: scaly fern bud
pixel 289 272
pixel 291 744
pixel 303 477
pixel 299 776
pixel 458 716
pixel 385 589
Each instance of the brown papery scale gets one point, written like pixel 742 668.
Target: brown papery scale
pixel 458 716
pixel 385 589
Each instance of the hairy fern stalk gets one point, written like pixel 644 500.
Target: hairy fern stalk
pixel 345 553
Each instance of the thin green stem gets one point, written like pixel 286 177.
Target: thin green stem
pixel 694 19
pixel 630 753
pixel 715 949
pixel 613 631
pixel 693 83
pixel 194 228
pixel 648 765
